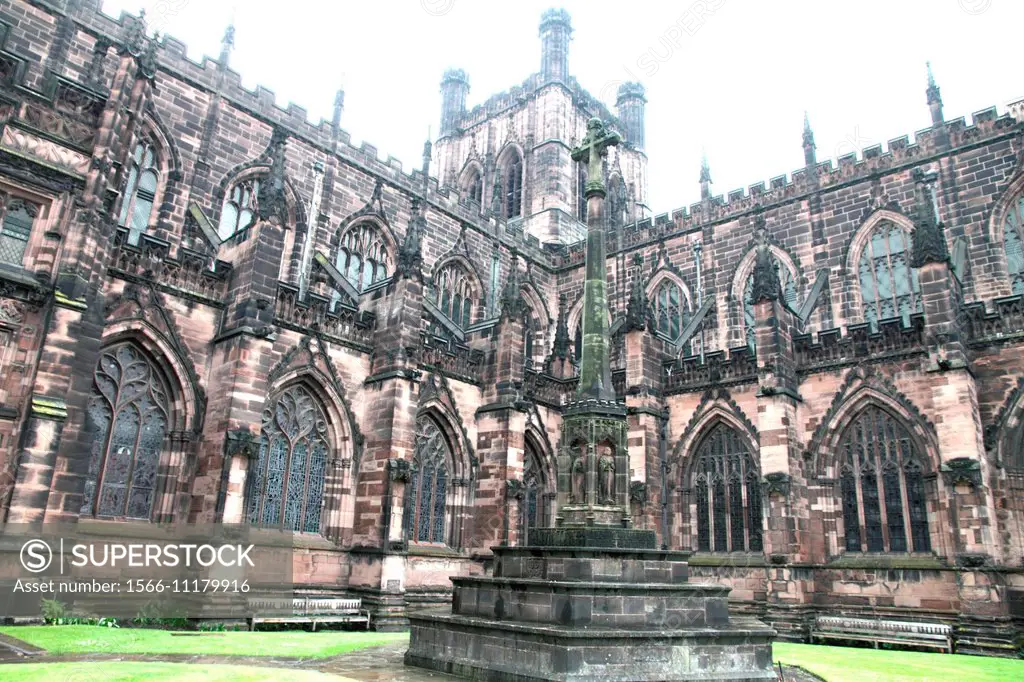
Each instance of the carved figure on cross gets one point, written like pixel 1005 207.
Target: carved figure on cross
pixel 592 149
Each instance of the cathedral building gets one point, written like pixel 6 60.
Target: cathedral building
pixel 213 310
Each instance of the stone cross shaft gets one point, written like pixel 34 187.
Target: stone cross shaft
pixel 592 149
pixel 595 366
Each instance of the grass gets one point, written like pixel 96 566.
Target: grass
pixel 91 639
pixel 842 664
pixel 178 672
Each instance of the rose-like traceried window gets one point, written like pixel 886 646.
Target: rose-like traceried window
pixel 129 411
pixel 286 480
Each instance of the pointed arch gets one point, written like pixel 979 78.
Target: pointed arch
pixel 1006 435
pixel 457 290
pixel 364 252
pixel 512 162
pixel 880 256
pixel 716 464
pixel 247 176
pixel 670 302
pixel 1006 229
pixel 471 181
pixel 862 389
pixel 151 168
pixel 131 412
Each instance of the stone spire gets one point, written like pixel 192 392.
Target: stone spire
pixel 934 98
pixel 562 342
pixel 705 177
pixel 271 198
pixel 638 309
pixel 513 305
pixel 409 264
pixel 928 240
pixel 227 44
pixel 765 285
pixel 497 193
pixel 339 106
pixel 595 366
pixel 426 162
pixel 810 157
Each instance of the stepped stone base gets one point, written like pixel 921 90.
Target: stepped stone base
pixel 621 612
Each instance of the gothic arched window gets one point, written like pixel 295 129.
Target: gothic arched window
pixel 670 309
pixel 453 294
pixel 789 295
pixel 534 514
pixel 881 481
pixel 1013 244
pixel 888 284
pixel 727 488
pixel 128 409
pixel 363 256
pixel 15 229
pixel 474 187
pixel 285 487
pixel 427 492
pixel 514 186
pixel 140 192
pixel 239 210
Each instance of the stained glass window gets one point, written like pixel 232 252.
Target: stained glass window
pixel 427 493
pixel 363 257
pixel 889 286
pixel 239 210
pixel 671 311
pixel 882 486
pixel 285 486
pixel 140 192
pixel 789 295
pixel 453 294
pixel 1013 239
pixel 474 187
pixel 18 216
pixel 514 186
pixel 128 410
pixel 727 487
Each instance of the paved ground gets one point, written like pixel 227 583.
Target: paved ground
pixel 374 664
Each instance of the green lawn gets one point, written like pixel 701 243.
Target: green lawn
pixel 91 639
pixel 178 672
pixel 839 664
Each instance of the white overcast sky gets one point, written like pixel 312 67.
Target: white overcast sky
pixel 734 82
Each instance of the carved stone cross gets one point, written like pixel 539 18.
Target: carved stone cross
pixel 592 149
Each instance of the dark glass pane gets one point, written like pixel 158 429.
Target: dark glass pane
pixel 918 510
pixel 99 416
pixel 754 512
pixel 315 488
pixel 718 502
pixel 426 504
pixel 894 509
pixel 872 511
pixel 274 490
pixel 703 517
pixel 254 485
pixel 736 514
pixel 851 520
pixel 440 497
pixel 296 487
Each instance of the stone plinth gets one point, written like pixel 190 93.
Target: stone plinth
pixel 559 612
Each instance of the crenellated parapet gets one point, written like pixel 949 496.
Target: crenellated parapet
pixel 860 344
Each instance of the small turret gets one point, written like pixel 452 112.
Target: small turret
pixel 810 157
pixel 934 98
pixel 630 103
pixel 454 88
pixel 555 34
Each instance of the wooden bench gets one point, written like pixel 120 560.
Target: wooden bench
pixel 313 610
pixel 929 635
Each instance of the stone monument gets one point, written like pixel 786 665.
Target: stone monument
pixel 591 598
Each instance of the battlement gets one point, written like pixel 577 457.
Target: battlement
pixel 899 153
pixel 516 95
pixel 261 103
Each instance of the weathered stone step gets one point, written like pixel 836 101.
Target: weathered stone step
pixel 592 603
pixel 626 566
